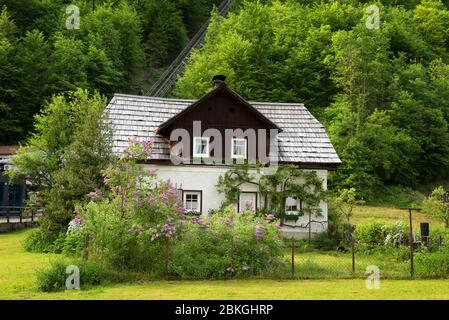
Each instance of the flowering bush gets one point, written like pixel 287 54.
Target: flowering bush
pixel 227 244
pixel 133 217
pixel 137 223
pixel 75 225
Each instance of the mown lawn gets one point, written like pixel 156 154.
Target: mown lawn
pixel 17 281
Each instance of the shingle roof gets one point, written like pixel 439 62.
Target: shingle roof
pixel 303 139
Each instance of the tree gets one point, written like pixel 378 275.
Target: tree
pixel 64 158
pixel 437 205
pixel 343 204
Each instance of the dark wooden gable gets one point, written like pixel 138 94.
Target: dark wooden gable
pixel 222 108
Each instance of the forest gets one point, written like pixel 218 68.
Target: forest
pixel 118 46
pixel 381 92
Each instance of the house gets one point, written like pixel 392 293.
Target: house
pixel 195 142
pixel 12 194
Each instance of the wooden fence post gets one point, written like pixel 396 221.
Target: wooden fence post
pixel 353 252
pixel 293 257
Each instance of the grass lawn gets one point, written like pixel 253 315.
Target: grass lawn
pixel 17 281
pixel 365 214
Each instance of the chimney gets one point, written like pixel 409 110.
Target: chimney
pixel 218 80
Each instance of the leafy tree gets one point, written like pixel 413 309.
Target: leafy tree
pixel 68 66
pixel 437 205
pixel 343 204
pixel 64 158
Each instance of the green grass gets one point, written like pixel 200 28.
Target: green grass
pixel 365 214
pixel 17 281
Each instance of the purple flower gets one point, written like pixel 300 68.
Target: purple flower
pixel 270 217
pixel 228 222
pixel 78 220
pixel 259 232
pixel 94 194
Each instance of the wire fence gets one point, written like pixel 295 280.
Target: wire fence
pixel 344 258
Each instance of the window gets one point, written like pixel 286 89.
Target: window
pixel 201 147
pixel 247 201
pixel 192 201
pixel 291 205
pixel 238 148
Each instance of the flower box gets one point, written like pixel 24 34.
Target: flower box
pixel 291 217
pixel 194 213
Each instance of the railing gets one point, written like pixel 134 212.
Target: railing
pixel 166 81
pixel 16 214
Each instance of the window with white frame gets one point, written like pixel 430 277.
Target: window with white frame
pixel 238 148
pixel 291 205
pixel 201 147
pixel 247 201
pixel 192 201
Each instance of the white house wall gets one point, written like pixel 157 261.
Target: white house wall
pixel 204 178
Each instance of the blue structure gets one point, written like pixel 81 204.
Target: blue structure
pixel 12 193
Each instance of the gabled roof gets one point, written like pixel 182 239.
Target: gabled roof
pixel 220 89
pixel 303 139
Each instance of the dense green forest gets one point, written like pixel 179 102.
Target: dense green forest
pixel 382 93
pixel 120 46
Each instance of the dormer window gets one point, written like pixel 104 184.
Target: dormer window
pixel 201 147
pixel 238 148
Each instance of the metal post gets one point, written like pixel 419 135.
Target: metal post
pixel 293 257
pixel 410 241
pixel 20 216
pixel 310 226
pixel 8 212
pixel 353 252
pixel 410 236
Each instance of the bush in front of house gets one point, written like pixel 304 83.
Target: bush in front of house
pixel 225 245
pixel 55 276
pixel 138 225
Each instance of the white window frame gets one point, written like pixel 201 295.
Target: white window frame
pixel 195 143
pixel 239 156
pixel 288 212
pixel 254 199
pixel 184 200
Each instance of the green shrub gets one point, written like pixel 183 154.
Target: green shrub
pixel 38 241
pixel 325 241
pixel 438 239
pixel 54 278
pixel 375 234
pixel 432 264
pixel 73 244
pixel 226 245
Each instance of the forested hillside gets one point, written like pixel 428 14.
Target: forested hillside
pixel 383 93
pixel 119 47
